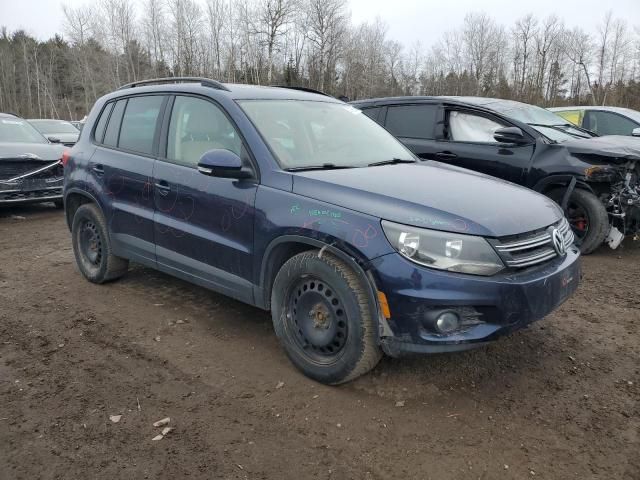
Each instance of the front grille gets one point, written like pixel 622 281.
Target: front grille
pixel 13 169
pixel 533 248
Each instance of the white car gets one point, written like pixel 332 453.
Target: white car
pixel 603 120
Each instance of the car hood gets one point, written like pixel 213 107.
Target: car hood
pixel 616 148
pixel 64 137
pixel 432 195
pixel 30 151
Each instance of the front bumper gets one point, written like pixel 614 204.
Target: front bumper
pixel 503 303
pixel 31 191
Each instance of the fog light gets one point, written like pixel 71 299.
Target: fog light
pixel 447 322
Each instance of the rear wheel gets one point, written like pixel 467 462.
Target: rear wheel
pixel 588 218
pixel 92 247
pixel 322 316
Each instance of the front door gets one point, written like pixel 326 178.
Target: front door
pixel 203 225
pixel 469 143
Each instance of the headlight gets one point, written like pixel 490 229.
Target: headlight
pixel 443 250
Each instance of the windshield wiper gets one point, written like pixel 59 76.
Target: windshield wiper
pixel 393 161
pixel 580 129
pixel 324 166
pixel 561 128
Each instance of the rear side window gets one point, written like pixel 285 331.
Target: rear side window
pixel 113 129
pixel 139 124
pixel 372 113
pixel 412 121
pixel 102 123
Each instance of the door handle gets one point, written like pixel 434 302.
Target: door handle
pixel 446 155
pixel 163 188
pixel 98 168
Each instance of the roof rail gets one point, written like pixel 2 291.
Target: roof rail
pixel 205 82
pixel 303 89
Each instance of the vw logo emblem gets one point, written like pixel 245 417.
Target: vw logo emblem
pixel 558 241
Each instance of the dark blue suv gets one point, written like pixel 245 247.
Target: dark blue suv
pixel 297 203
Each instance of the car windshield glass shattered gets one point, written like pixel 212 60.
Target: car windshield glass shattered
pixel 15 130
pixel 311 134
pixel 551 125
pixel 54 126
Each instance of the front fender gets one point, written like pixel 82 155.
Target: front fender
pixel 545 184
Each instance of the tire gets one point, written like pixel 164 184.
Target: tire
pixel 597 218
pixel 59 204
pixel 92 247
pixel 322 315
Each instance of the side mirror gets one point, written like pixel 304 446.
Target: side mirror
pixel 54 140
pixel 510 135
pixel 635 132
pixel 222 163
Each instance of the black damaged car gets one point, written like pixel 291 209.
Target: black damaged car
pixel 31 169
pixel 595 179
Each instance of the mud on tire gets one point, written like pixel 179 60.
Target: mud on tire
pixel 92 248
pixel 322 315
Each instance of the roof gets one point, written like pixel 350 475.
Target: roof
pixel 479 101
pixel 235 91
pixel 47 120
pixel 8 115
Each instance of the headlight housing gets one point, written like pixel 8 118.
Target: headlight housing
pixel 443 250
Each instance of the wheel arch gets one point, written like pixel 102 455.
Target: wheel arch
pixel 283 248
pixel 73 199
pixel 551 182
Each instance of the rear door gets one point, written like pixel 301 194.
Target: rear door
pixel 121 171
pixel 414 125
pixel 203 225
pixel 467 141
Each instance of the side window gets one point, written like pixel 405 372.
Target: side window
pixel 469 127
pixel 412 121
pixel 197 126
pixel 372 113
pixel 102 122
pixel 607 123
pixel 573 116
pixel 139 123
pixel 113 129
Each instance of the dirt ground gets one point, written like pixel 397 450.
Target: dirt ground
pixel 560 400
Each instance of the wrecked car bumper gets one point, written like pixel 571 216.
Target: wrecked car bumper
pixel 31 191
pixel 487 307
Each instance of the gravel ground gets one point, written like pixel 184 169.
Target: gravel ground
pixel 559 400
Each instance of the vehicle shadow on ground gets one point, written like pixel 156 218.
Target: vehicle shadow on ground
pixel 28 210
pixel 508 359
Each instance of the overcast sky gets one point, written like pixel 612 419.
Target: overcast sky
pixel 408 20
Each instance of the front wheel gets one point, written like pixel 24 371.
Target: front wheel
pixel 588 218
pixel 322 315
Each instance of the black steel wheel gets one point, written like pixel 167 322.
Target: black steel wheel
pixel 92 248
pixel 324 316
pixel 90 244
pixel 317 319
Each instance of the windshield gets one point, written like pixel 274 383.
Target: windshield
pixel 540 119
pixel 309 133
pixel 16 130
pixel 53 126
